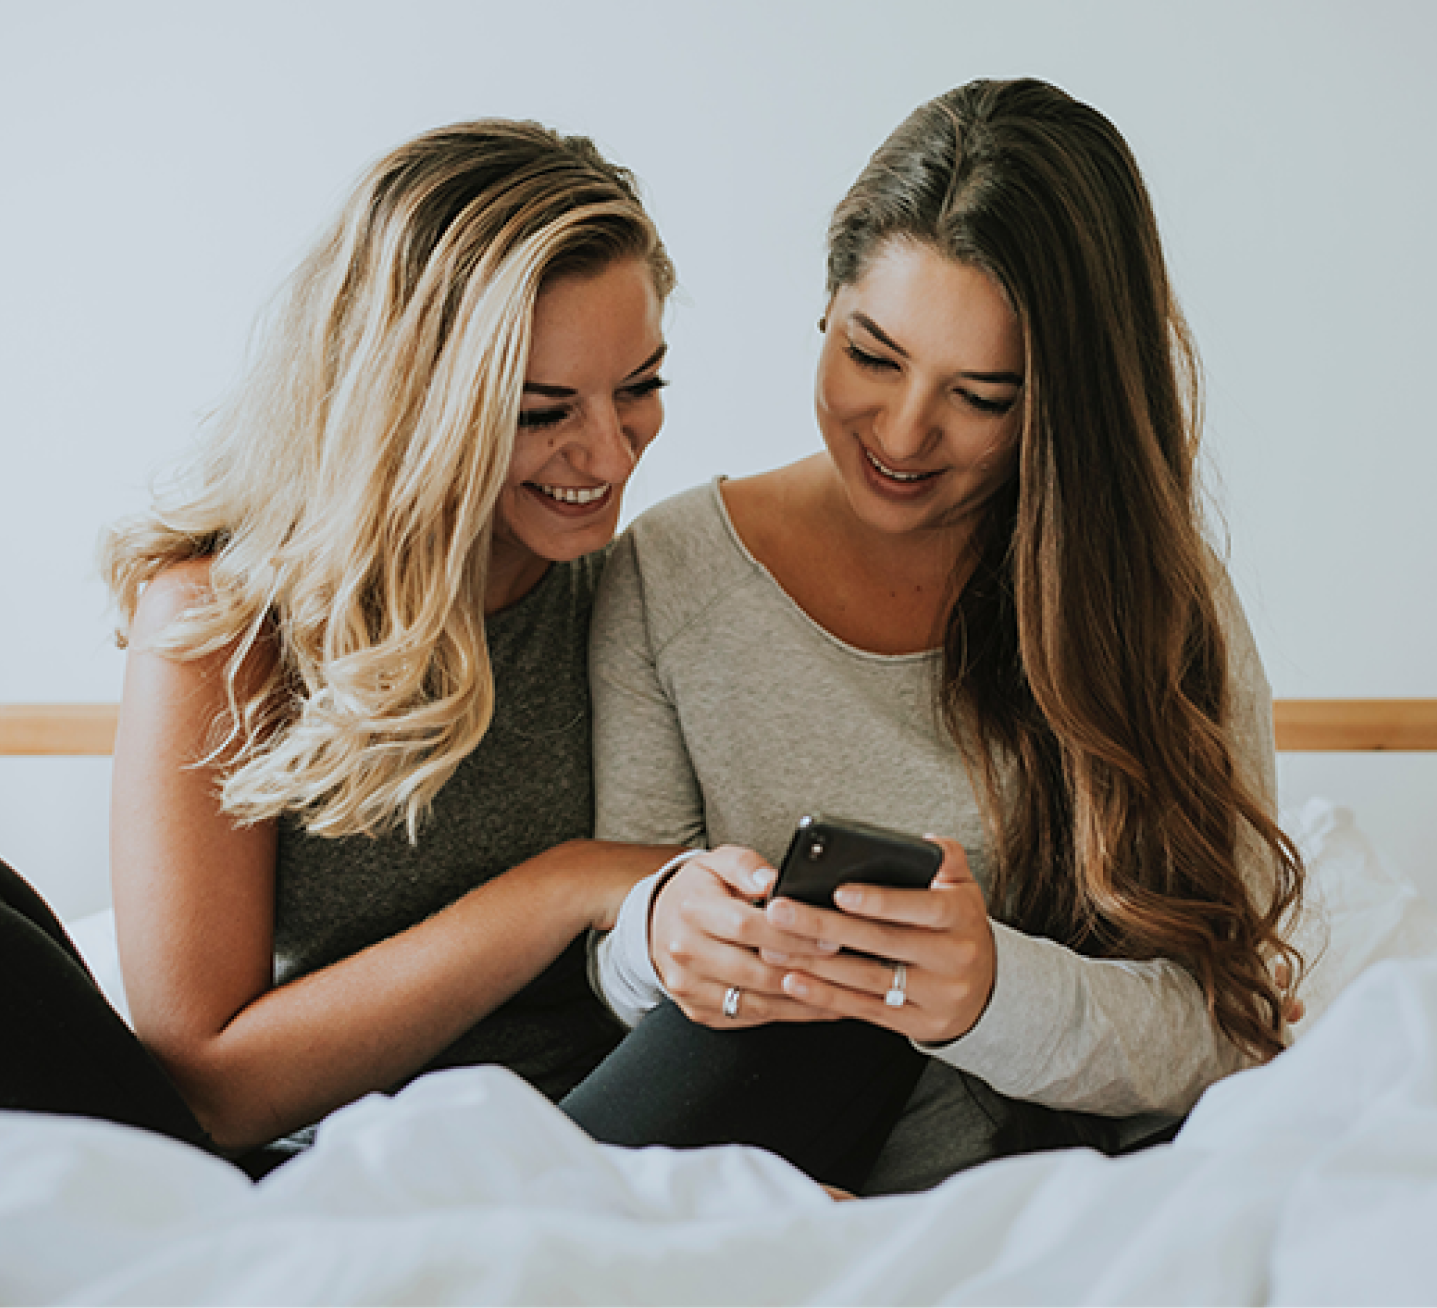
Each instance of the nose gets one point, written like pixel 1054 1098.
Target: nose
pixel 607 450
pixel 909 426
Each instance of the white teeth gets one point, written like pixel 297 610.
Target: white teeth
pixel 574 494
pixel 893 473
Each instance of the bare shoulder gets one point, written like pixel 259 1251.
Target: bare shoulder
pixel 159 681
pixel 176 590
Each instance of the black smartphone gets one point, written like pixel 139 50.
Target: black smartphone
pixel 826 853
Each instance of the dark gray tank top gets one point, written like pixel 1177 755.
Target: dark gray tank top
pixel 527 787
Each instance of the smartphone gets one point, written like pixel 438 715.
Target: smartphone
pixel 826 853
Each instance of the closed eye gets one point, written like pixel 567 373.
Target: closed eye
pixel 532 418
pixel 639 390
pixel 871 362
pixel 985 405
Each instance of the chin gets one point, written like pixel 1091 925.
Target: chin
pixel 569 546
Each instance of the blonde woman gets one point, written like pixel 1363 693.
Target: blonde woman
pixel 352 793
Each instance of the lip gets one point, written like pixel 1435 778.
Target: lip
pixel 902 491
pixel 571 511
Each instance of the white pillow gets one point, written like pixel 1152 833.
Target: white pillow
pixel 1358 911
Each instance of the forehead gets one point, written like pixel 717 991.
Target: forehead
pixel 937 309
pixel 595 321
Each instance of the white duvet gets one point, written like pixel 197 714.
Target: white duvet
pixel 1312 1180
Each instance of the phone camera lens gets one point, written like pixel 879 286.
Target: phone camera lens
pixel 815 850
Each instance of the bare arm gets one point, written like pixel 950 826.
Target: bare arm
pixel 194 906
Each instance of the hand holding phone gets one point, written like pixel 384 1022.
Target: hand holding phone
pixel 826 853
pixel 920 965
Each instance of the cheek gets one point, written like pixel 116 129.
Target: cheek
pixel 837 398
pixel 998 455
pixel 647 426
pixel 532 449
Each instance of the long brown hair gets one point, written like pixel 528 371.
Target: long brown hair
pixel 1087 649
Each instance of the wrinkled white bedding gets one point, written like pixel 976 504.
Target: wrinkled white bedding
pixel 1312 1180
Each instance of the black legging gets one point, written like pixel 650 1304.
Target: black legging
pixel 66 1050
pixel 823 1096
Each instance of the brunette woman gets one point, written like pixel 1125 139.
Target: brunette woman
pixel 986 611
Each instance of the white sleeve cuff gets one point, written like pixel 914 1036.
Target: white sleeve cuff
pixel 621 969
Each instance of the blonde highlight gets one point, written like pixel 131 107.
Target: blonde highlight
pixel 345 495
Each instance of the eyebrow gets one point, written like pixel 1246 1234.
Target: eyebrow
pixel 565 392
pixel 997 378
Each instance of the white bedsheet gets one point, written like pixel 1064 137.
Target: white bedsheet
pixel 1312 1180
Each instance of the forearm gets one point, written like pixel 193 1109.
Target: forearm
pixel 1102 1036
pixel 370 1021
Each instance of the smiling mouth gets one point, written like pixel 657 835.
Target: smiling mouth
pixel 573 494
pixel 903 478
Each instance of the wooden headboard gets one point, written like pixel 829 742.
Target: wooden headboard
pixel 1301 724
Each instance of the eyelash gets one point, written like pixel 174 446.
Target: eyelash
pixel 530 419
pixel 872 363
pixel 869 361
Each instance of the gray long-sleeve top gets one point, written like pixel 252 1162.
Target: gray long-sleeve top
pixel 724 713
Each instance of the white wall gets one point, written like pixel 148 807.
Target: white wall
pixel 164 164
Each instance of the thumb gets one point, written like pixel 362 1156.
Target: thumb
pixel 742 870
pixel 954 870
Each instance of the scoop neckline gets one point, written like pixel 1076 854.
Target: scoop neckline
pixel 547 579
pixel 920 656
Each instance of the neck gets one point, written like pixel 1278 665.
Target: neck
pixel 926 560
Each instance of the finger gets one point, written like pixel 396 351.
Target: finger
pixel 841 1002
pixel 839 929
pixel 706 964
pixel 749 1009
pixel 898 924
pixel 799 951
pixel 938 909
pixel 725 917
pixel 857 972
pixel 699 903
pixel 954 870
pixel 742 869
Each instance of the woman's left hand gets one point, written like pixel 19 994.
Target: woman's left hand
pixel 933 947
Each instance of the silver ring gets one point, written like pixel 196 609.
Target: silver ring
pixel 897 994
pixel 730 1001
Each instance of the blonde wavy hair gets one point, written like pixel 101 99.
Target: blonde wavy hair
pixel 345 493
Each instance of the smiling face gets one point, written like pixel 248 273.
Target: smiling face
pixel 918 390
pixel 591 406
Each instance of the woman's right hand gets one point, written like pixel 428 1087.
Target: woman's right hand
pixel 706 928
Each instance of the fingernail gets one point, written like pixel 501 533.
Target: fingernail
pixel 848 897
pixel 781 913
pixel 796 985
pixel 761 878
pixel 829 947
pixel 775 959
